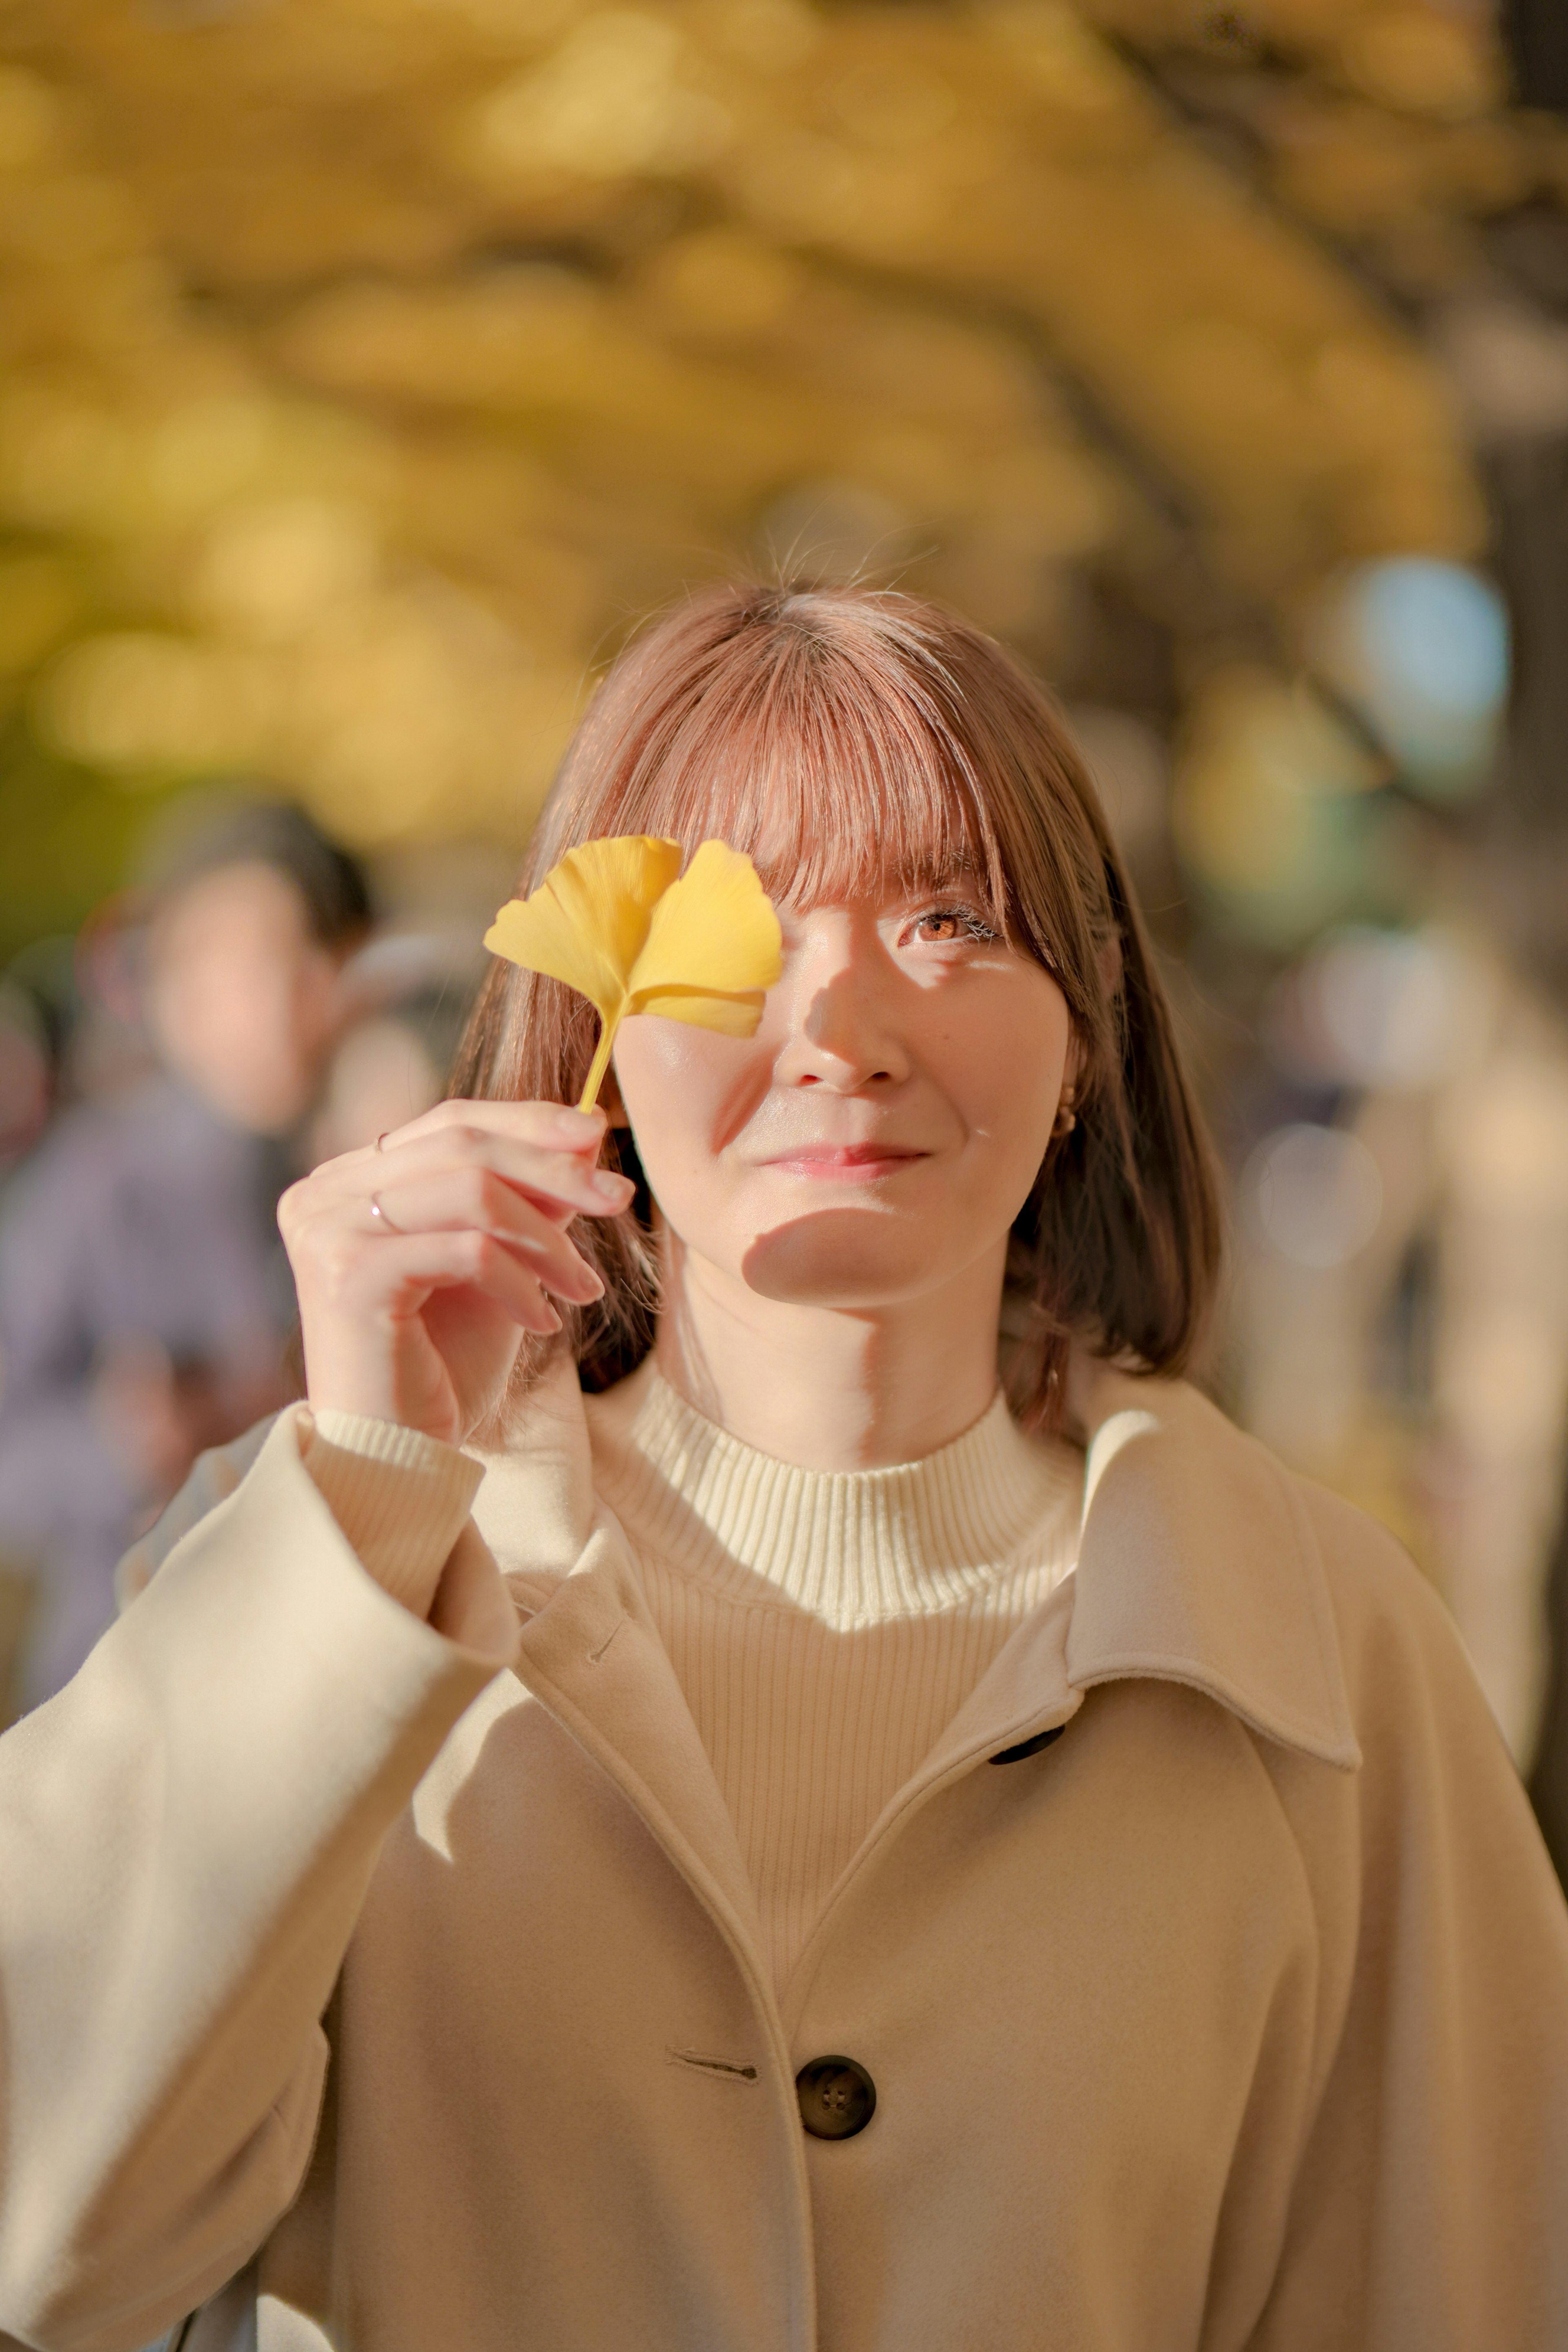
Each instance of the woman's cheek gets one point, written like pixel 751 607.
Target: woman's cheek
pixel 677 1087
pixel 1006 1070
pixel 1007 1073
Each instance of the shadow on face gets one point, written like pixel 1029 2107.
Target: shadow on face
pixel 844 1259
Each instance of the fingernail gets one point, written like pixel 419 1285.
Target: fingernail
pixel 609 1186
pixel 578 1124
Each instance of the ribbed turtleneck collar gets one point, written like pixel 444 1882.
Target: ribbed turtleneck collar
pixel 849 1546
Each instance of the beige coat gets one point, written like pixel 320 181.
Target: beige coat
pixel 1238 2016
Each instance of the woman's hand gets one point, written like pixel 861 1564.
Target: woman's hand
pixel 420 1263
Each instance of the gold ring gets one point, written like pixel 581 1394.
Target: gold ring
pixel 381 1215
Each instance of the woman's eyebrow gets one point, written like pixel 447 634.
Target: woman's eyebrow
pixel 952 871
pixel 961 874
pixel 956 874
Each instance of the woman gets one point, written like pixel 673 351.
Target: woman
pixel 748 1840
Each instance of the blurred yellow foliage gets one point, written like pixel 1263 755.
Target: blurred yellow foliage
pixel 371 364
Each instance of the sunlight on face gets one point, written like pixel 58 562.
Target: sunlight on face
pixel 882 1130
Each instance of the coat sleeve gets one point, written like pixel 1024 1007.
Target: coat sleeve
pixel 186 1834
pixel 1430 2204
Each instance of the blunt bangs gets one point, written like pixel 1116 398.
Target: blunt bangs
pixel 829 763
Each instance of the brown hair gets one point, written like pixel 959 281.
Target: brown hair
pixel 845 735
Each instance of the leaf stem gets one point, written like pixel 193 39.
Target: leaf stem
pixel 599 1063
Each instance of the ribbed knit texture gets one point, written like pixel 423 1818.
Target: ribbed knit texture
pixel 827 1627
pixel 400 1497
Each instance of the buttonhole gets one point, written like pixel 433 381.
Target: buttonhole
pixel 1030 1747
pixel 724 2067
pixel 594 1655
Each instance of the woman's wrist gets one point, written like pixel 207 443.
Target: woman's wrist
pixel 353 1373
pixel 399 1496
pixel 338 1383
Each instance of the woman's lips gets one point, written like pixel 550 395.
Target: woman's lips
pixel 846 1163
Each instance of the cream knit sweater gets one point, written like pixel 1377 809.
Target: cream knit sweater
pixel 825 1627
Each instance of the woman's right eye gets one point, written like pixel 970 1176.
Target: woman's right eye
pixel 940 926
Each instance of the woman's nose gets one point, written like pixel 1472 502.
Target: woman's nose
pixel 841 1033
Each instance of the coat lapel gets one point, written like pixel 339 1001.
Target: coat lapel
pixel 590 1653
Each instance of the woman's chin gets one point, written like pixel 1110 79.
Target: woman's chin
pixel 850 1258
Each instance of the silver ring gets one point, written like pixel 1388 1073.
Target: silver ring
pixel 381 1215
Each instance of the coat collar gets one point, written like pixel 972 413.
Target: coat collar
pixel 1198 1564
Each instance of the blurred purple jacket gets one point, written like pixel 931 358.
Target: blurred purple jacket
pixel 140 1216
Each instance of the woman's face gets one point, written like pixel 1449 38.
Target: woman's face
pixel 882 1130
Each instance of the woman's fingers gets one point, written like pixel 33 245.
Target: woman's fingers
pixel 413 1258
pixel 547 1127
pixel 473 1197
pixel 562 1184
pixel 409 1266
pixel 334 1236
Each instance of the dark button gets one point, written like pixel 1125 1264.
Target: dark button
pixel 837 2097
pixel 1030 1747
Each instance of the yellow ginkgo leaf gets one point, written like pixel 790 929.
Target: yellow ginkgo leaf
pixel 713 930
pixel 613 922
pixel 587 922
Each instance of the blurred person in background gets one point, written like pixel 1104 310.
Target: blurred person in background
pixel 25 1076
pixel 145 1303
